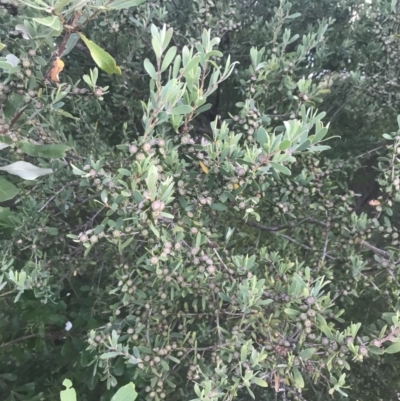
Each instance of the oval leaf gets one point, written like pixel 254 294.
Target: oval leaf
pixel 109 355
pixel 103 59
pixel 126 393
pixel 52 22
pixel 168 58
pixel 122 4
pixel 392 349
pixel 219 206
pixel 149 67
pixel 26 171
pixel 7 190
pixel 281 168
pixel 298 378
pixel 285 144
pixel 46 151
pixel 184 109
pixel 305 354
pixel 259 382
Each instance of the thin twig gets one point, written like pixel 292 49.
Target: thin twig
pixel 148 328
pixel 326 244
pixel 17 340
pixel 303 245
pixel 372 248
pixel 51 198
pixel 295 393
pixel 222 262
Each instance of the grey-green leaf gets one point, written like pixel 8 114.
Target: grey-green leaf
pixel 169 56
pixel 109 355
pixel 149 67
pixel 298 378
pixel 126 393
pixel 26 171
pixel 184 109
pixel 392 349
pixel 7 190
pixel 52 22
pixel 123 4
pixel 52 151
pixel 307 353
pixel 281 168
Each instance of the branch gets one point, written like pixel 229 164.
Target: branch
pixel 274 230
pixel 372 248
pixel 265 228
pixel 17 340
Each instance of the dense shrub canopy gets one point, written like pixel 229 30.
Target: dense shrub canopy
pixel 200 198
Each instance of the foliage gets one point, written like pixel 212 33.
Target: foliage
pixel 211 214
pixel 125 393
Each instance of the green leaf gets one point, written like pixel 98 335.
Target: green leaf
pixel 224 297
pixel 219 206
pixel 151 180
pixel 9 376
pixel 103 59
pixel 156 47
pixel 285 144
pixel 251 393
pixel 184 109
pixel 243 353
pixel 392 349
pixel 281 168
pixel 192 64
pixel 122 4
pixel 177 64
pixel 318 148
pixel 149 67
pixel 298 378
pixel 320 135
pixel 168 58
pixel 109 355
pixel 61 3
pixel 303 146
pixel 307 353
pixel 173 359
pixel 259 382
pixel 375 350
pixel 72 41
pixel 52 22
pixel 69 394
pixel 126 393
pixel 323 326
pixel 7 190
pixel 262 136
pixel 33 5
pixel 5 65
pixel 291 312
pixel 46 151
pixel 26 171
pixel 126 243
pixel 2 46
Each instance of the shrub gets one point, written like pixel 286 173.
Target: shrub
pixel 178 210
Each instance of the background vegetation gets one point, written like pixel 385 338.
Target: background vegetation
pixel 200 198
